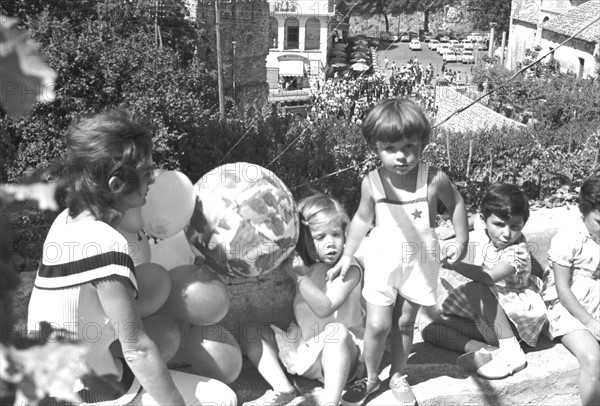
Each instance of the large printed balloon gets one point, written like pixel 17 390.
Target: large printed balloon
pixel 197 295
pixel 154 287
pixel 214 353
pixel 245 222
pixel 169 204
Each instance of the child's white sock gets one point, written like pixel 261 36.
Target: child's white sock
pixel 510 344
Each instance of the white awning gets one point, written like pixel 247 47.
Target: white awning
pixel 291 68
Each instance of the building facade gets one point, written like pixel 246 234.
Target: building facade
pixel 548 23
pixel 300 37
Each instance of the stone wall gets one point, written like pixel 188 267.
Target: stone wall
pixel 246 23
pixel 476 117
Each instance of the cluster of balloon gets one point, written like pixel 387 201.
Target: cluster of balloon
pixel 213 352
pixel 245 221
pixel 167 210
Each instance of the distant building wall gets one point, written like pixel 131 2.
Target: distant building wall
pixel 522 37
pixel 247 23
pixel 476 117
pixel 576 56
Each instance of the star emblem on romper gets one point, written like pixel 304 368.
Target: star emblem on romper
pixel 416 214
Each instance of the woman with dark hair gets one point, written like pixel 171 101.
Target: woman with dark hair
pixel 86 282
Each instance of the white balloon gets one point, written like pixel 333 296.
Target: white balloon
pixel 169 204
pixel 172 252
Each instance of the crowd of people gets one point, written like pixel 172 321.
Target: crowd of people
pixel 345 94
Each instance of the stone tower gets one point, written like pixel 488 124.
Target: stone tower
pixel 247 23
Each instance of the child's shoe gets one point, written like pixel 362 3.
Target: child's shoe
pixel 359 392
pixel 503 364
pixel 472 361
pixel 273 398
pixel 402 390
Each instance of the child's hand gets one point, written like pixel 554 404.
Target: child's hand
pixel 453 253
pixel 339 269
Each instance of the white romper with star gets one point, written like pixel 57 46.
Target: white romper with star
pixel 403 250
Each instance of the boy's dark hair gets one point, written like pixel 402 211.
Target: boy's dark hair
pixel 504 200
pixel 589 195
pixel 394 120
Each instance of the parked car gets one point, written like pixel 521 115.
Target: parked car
pixel 467 57
pixel 449 56
pixel 442 47
pixel 404 37
pixel 386 36
pixel 475 36
pixel 415 45
pixel 433 44
pixel 443 37
pixel 453 42
pixel 467 44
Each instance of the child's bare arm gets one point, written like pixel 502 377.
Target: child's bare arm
pixel 359 226
pixel 324 304
pixel 562 278
pixel 478 273
pixel 455 205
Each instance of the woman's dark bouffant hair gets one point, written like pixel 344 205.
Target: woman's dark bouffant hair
pixel 589 195
pixel 100 147
pixel 504 200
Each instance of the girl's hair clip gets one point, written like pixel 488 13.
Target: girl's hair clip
pixel 304 222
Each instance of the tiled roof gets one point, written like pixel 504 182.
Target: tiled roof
pixel 575 19
pixel 528 11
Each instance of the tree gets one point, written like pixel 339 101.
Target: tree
pixel 383 8
pixel 485 11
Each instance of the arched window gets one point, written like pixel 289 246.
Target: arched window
pixel 292 33
pixel 273 32
pixel 312 38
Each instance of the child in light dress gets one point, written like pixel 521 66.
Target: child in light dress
pixel 325 342
pixel 402 265
pixel 572 290
pixel 503 298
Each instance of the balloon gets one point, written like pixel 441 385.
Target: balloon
pixel 172 252
pixel 138 247
pixel 169 204
pixel 165 333
pixel 245 221
pixel 197 295
pixel 214 353
pixel 154 286
pixel 132 221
